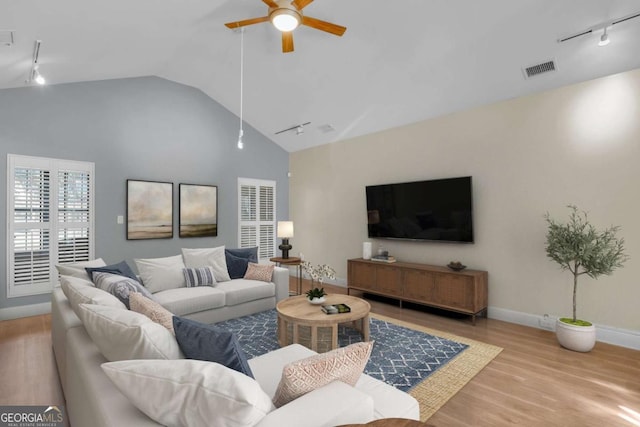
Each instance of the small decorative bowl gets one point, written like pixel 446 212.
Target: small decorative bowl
pixel 317 301
pixel 456 267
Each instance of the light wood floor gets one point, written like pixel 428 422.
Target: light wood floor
pixel 533 382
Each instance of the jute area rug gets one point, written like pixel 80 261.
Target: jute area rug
pixel 442 385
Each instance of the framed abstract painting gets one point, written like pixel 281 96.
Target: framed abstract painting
pixel 198 210
pixel 149 210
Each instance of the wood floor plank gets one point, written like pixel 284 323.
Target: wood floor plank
pixel 533 382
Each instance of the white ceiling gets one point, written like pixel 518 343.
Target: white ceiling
pixel 399 62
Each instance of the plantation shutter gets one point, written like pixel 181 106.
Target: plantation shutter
pixel 257 214
pixel 50 220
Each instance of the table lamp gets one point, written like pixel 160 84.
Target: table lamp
pixel 285 232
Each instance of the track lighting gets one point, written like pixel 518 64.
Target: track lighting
pixel 299 130
pixel 37 77
pixel 604 38
pixel 34 74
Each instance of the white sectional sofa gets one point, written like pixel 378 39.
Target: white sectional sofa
pixel 92 399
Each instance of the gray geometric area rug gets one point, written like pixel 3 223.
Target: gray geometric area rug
pixel 401 357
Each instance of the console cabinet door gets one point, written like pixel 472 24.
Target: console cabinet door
pixel 418 285
pixel 389 280
pixel 362 276
pixel 454 291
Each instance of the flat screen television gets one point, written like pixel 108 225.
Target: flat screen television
pixel 435 210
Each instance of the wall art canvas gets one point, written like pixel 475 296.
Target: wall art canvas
pixel 198 210
pixel 149 210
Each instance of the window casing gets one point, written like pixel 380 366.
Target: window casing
pixel 50 209
pixel 257 216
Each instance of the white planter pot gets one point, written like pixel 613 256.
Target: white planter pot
pixel 576 338
pixel 317 301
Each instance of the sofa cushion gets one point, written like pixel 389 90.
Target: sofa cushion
pixel 261 272
pixel 123 334
pixel 211 257
pixel 344 364
pixel 190 392
pixel 160 274
pixel 119 286
pixel 211 343
pixel 238 291
pixel 183 301
pixel 199 276
pixel 151 309
pixel 77 269
pixel 80 291
pixel 121 268
pixel 238 259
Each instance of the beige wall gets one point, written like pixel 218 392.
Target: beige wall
pixel 576 145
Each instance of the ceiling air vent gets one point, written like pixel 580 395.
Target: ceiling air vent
pixel 536 70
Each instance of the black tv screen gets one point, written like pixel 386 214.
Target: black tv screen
pixel 434 210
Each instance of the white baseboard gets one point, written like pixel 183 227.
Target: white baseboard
pixel 608 334
pixel 24 311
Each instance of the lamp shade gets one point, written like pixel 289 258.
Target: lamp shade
pixel 285 229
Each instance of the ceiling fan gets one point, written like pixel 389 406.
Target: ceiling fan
pixel 286 16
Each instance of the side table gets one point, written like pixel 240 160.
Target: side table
pixel 291 262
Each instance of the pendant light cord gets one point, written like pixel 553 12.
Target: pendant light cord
pixel 241 76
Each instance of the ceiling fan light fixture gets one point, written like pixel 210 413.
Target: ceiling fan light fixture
pixel 285 19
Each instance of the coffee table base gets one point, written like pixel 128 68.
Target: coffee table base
pixel 318 338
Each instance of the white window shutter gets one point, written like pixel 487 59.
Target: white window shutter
pixel 256 216
pixel 50 220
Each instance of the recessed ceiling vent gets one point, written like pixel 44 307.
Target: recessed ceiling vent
pixel 6 38
pixel 536 70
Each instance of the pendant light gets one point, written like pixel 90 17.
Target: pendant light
pixel 241 133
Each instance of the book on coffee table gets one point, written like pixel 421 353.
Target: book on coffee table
pixel 336 308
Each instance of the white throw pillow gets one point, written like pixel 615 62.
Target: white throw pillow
pixel 79 291
pixel 160 274
pixel 208 257
pixel 126 335
pixel 190 392
pixel 77 269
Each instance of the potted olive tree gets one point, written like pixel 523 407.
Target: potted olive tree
pixel 578 247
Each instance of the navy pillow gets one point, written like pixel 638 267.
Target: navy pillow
pixel 239 259
pixel 236 266
pixel 211 343
pixel 121 269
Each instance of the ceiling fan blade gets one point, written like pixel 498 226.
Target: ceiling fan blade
pixel 270 3
pixel 287 41
pixel 301 4
pixel 338 30
pixel 246 22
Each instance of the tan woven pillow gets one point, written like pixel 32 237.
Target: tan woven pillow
pixel 262 272
pixel 303 376
pixel 151 309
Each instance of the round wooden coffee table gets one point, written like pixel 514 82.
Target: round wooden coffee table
pixel 301 322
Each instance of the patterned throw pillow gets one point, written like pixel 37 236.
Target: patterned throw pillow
pixel 119 286
pixel 344 364
pixel 261 272
pixel 152 310
pixel 200 276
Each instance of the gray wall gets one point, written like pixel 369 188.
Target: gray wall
pixel 141 128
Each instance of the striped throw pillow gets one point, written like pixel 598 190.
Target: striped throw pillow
pixel 200 276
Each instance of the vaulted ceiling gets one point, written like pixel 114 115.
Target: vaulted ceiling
pixel 399 62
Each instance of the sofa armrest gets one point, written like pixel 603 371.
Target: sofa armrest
pixel 281 280
pixel 334 404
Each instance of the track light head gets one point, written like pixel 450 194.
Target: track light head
pixel 604 38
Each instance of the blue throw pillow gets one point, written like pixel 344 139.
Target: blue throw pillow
pixel 211 343
pixel 236 266
pixel 121 269
pixel 238 259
